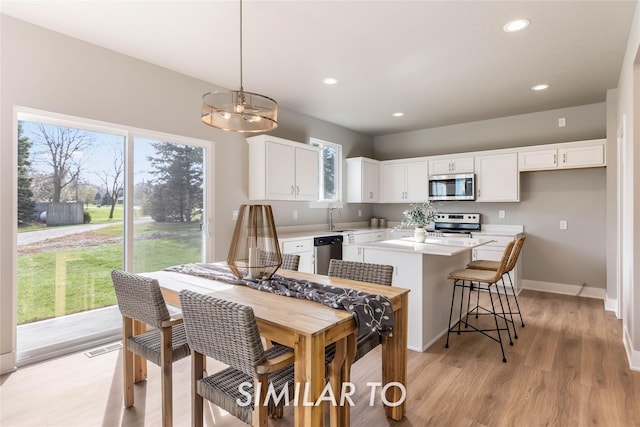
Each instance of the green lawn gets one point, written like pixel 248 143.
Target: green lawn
pixel 74 280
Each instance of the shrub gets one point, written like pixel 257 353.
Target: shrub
pixel 87 217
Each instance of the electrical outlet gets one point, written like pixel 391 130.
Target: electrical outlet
pixel 563 224
pixel 234 215
pixel 295 214
pixel 562 122
pixel 501 214
pixel 359 212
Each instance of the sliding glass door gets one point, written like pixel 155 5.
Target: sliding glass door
pixel 90 201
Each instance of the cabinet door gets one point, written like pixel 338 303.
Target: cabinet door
pixel 370 182
pixel 462 165
pixel 538 160
pixel 497 178
pixel 306 174
pixel 417 182
pixel 307 263
pixel 352 253
pixel 580 157
pixel 280 171
pixel 394 182
pixel 440 167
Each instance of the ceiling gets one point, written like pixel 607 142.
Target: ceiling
pixel 438 62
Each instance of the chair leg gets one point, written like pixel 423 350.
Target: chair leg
pixel 495 318
pixel 515 297
pixel 510 312
pixel 139 362
pixel 127 361
pixel 260 410
pixel 166 364
pixel 197 404
pixel 504 313
pixel 462 305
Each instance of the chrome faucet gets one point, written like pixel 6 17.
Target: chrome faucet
pixel 331 225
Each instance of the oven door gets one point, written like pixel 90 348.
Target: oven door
pixel 452 187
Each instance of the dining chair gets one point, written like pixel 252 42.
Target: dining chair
pixel 289 261
pixel 476 279
pixel 482 264
pixel 228 332
pixel 363 272
pixel 140 299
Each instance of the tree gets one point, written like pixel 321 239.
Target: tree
pixel 26 204
pixel 176 189
pixel 113 179
pixel 64 148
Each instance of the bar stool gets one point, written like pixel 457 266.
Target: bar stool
pixel 478 278
pixel 494 265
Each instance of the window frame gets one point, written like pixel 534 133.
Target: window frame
pixel 323 202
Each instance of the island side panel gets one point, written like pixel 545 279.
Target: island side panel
pixel 430 297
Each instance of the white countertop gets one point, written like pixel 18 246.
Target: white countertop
pixel 446 246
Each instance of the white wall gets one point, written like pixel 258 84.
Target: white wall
pixel 48 71
pixel 629 107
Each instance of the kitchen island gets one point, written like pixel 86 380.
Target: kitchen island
pixel 423 268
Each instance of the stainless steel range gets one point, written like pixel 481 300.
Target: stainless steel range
pixel 455 224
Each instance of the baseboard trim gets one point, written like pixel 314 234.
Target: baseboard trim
pixel 564 289
pixel 632 355
pixel 7 363
pixel 611 304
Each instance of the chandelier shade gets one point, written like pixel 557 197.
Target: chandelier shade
pixel 239 111
pixel 254 251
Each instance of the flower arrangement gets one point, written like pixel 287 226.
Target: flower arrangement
pixel 420 215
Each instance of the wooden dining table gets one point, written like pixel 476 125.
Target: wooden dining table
pixel 307 327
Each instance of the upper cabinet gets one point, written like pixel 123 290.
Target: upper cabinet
pixel 581 154
pixel 497 178
pixel 280 169
pixel 363 180
pixel 404 181
pixel 451 165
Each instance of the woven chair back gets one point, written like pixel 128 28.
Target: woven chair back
pixel 361 271
pixel 515 253
pixel 504 261
pixel 223 330
pixel 140 298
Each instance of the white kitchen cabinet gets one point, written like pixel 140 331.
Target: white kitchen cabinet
pixel 302 247
pixel 363 180
pixel 280 169
pixel 404 182
pixel 497 178
pixel 351 249
pixel 579 154
pixel 451 165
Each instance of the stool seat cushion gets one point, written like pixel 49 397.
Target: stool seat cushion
pixel 484 264
pixel 484 276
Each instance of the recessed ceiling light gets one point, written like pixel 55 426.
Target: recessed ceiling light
pixel 516 25
pixel 540 87
pixel 329 81
pixel 398 114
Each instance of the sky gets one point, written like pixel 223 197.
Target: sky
pixel 98 158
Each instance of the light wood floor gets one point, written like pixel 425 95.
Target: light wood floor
pixel 568 368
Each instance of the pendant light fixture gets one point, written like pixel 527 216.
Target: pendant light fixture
pixel 237 110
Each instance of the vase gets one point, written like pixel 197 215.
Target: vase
pixel 419 235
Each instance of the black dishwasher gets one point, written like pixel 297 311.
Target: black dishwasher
pixel 326 248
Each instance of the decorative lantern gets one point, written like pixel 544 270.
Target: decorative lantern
pixel 254 251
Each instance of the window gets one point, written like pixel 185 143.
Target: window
pixel 330 170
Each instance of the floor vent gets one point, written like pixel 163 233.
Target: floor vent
pixel 102 350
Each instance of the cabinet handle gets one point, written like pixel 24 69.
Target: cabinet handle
pixel 371 194
pixel 292 190
pixel 297 190
pixel 555 159
pixel 564 157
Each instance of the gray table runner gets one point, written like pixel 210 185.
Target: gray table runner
pixel 372 312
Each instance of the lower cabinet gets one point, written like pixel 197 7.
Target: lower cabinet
pixel 351 249
pixel 304 248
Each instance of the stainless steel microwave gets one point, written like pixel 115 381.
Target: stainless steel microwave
pixel 452 187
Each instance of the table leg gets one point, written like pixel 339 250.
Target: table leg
pixel 394 361
pixel 344 414
pixel 310 380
